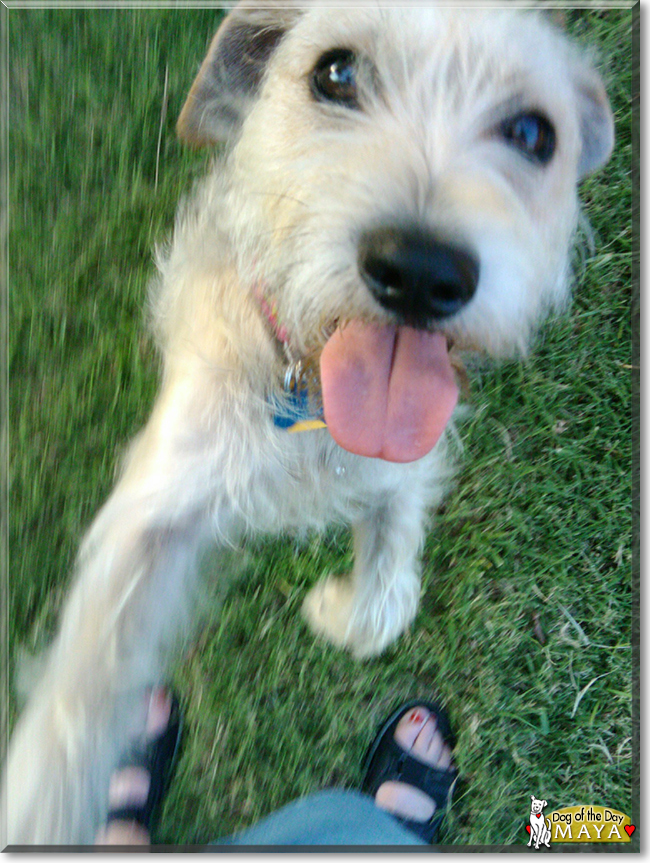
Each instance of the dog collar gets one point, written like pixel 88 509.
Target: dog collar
pixel 296 409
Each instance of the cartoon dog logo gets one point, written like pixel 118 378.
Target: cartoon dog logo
pixel 540 827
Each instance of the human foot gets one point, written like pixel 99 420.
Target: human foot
pixel 409 769
pixel 137 787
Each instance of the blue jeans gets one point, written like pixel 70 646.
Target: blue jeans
pixel 327 818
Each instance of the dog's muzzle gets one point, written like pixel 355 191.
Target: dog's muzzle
pixel 416 275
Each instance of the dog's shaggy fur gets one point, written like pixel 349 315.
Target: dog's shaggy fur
pixel 461 132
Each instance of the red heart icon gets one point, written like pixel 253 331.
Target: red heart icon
pixel 629 829
pixel 528 827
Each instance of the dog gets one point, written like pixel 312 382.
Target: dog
pixel 396 186
pixel 540 829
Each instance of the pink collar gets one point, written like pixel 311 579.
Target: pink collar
pixel 270 310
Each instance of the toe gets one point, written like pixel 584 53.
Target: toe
pixel 413 729
pixel 128 787
pixel 160 706
pixel 418 733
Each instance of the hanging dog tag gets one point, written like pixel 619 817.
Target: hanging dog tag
pixel 296 411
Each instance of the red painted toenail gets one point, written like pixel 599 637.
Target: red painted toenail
pixel 417 716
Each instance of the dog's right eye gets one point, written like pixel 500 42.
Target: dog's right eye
pixel 531 134
pixel 334 78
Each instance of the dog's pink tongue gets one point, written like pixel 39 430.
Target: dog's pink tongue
pixel 388 392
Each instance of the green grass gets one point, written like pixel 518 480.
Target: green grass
pixel 535 539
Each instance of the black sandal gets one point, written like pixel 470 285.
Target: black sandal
pixel 158 757
pixel 387 761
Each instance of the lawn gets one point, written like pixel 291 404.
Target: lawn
pixel 524 630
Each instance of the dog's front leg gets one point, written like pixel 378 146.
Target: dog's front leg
pixel 131 591
pixel 370 609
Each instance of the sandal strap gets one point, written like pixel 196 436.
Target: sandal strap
pixel 435 783
pixel 127 813
pixel 395 764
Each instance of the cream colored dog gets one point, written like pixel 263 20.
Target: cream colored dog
pixel 395 182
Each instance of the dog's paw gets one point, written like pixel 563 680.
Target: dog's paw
pixel 327 609
pixel 333 611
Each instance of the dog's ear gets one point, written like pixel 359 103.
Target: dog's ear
pixel 232 71
pixel 596 120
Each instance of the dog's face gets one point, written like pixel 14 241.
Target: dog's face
pixel 402 168
pixel 536 806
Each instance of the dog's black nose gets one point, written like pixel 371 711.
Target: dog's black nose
pixel 414 274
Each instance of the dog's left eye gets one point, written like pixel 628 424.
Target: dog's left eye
pixel 532 134
pixel 334 78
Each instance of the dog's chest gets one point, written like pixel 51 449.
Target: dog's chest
pixel 314 483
